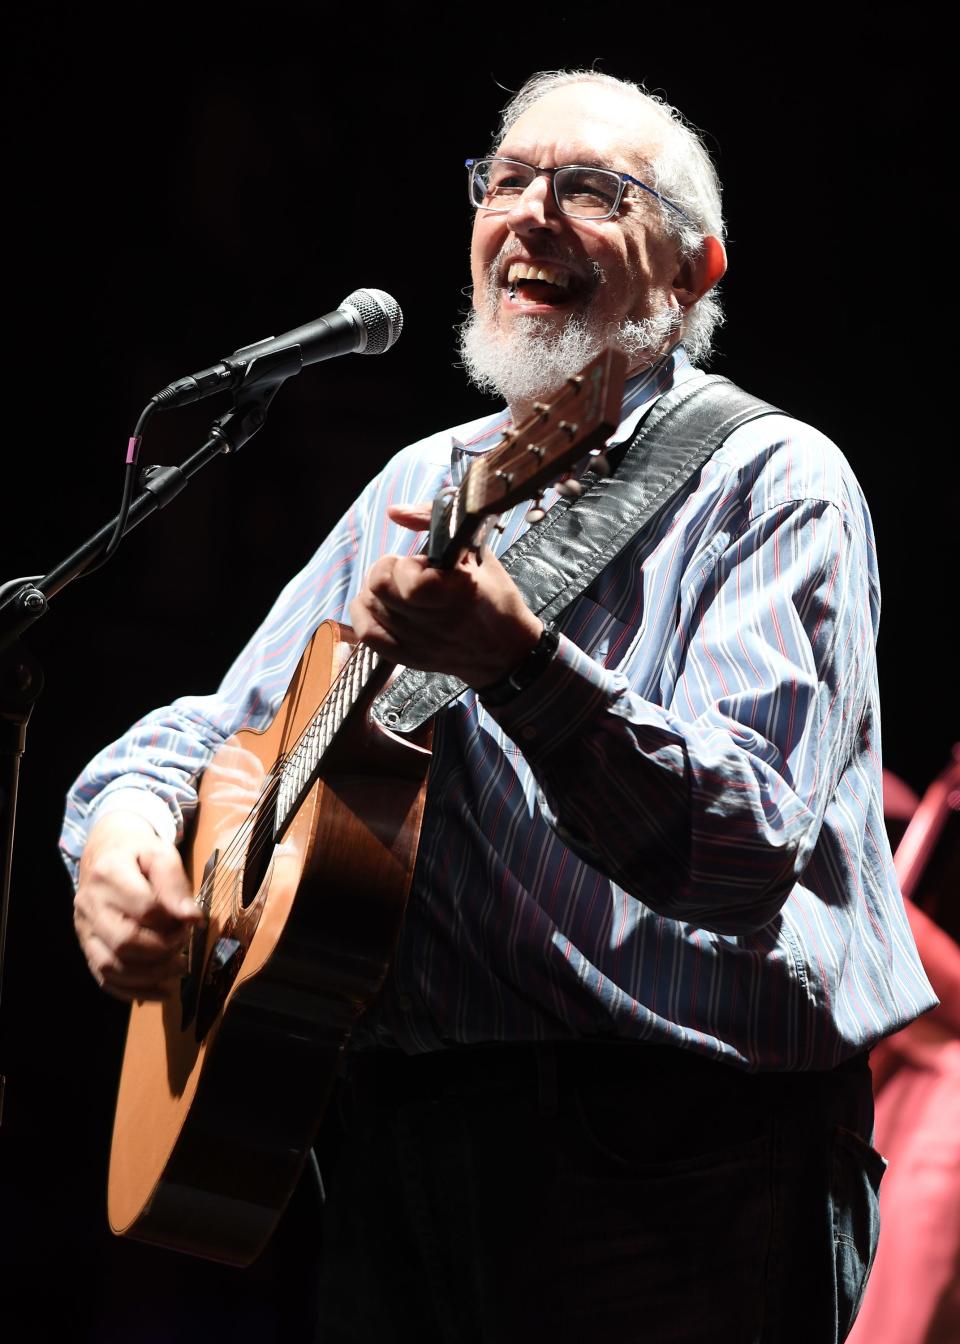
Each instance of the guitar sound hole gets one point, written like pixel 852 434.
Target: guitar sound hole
pixel 259 858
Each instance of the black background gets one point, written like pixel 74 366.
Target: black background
pixel 201 181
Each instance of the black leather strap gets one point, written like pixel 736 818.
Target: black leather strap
pixel 555 561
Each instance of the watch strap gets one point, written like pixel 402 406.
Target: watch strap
pixel 536 662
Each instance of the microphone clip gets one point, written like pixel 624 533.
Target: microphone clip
pixel 257 385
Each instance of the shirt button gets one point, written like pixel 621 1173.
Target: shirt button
pixel 528 733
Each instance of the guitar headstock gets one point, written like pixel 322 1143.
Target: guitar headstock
pixel 579 417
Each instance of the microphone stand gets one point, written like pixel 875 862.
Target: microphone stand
pixel 23 601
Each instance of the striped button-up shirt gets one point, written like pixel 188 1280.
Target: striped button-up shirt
pixel 675 834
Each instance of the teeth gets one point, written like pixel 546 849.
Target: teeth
pixel 520 271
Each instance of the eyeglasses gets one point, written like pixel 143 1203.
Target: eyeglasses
pixel 580 193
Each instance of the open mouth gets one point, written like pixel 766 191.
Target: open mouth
pixel 529 283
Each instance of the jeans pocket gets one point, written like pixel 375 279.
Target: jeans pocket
pixel 856 1173
pixel 656 1243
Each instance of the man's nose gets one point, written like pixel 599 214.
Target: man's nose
pixel 536 208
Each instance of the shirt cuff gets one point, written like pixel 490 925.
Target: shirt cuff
pixel 143 803
pixel 571 690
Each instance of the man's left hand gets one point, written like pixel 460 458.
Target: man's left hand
pixel 470 621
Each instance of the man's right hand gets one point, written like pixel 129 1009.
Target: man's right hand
pixel 134 908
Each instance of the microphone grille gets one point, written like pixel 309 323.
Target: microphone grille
pixel 380 315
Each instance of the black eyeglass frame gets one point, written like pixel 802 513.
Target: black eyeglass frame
pixel 623 178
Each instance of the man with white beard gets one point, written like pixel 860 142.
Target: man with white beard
pixel 616 1084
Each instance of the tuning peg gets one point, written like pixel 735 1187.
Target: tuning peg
pixel 571 489
pixel 535 513
pixel 600 463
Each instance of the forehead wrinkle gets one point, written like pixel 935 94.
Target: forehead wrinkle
pixel 603 136
pixel 542 155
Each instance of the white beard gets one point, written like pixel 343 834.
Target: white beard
pixel 534 357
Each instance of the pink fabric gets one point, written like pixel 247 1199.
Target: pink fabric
pixel 899 800
pixel 912 1296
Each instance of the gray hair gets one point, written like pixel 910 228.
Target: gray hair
pixel 683 172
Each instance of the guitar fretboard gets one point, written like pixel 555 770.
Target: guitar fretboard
pixel 527 459
pixel 299 769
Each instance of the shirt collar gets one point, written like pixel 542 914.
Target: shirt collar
pixel 643 389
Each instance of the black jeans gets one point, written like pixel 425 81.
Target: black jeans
pixel 596 1192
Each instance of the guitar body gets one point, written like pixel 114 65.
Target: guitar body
pixel 223 1089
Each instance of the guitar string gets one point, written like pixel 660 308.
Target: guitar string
pixel 260 812
pixel 259 821
pixel 224 882
pixel 224 879
pixel 256 831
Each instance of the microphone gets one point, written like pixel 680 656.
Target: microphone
pixel 368 322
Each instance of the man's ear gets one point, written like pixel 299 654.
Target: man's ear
pixel 700 273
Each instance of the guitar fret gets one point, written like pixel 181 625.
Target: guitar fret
pixel 331 715
pixel 348 691
pixel 356 674
pixel 305 757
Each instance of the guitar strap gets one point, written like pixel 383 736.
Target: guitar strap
pixel 558 559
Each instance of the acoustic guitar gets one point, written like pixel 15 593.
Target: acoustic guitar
pixel 301 857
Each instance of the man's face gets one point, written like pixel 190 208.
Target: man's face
pixel 603 272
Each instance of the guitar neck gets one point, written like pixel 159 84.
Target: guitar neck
pixel 553 438
pixel 301 765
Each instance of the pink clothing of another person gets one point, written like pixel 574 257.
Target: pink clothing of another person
pixel 913 1296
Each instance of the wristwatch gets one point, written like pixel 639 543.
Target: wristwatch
pixel 536 661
